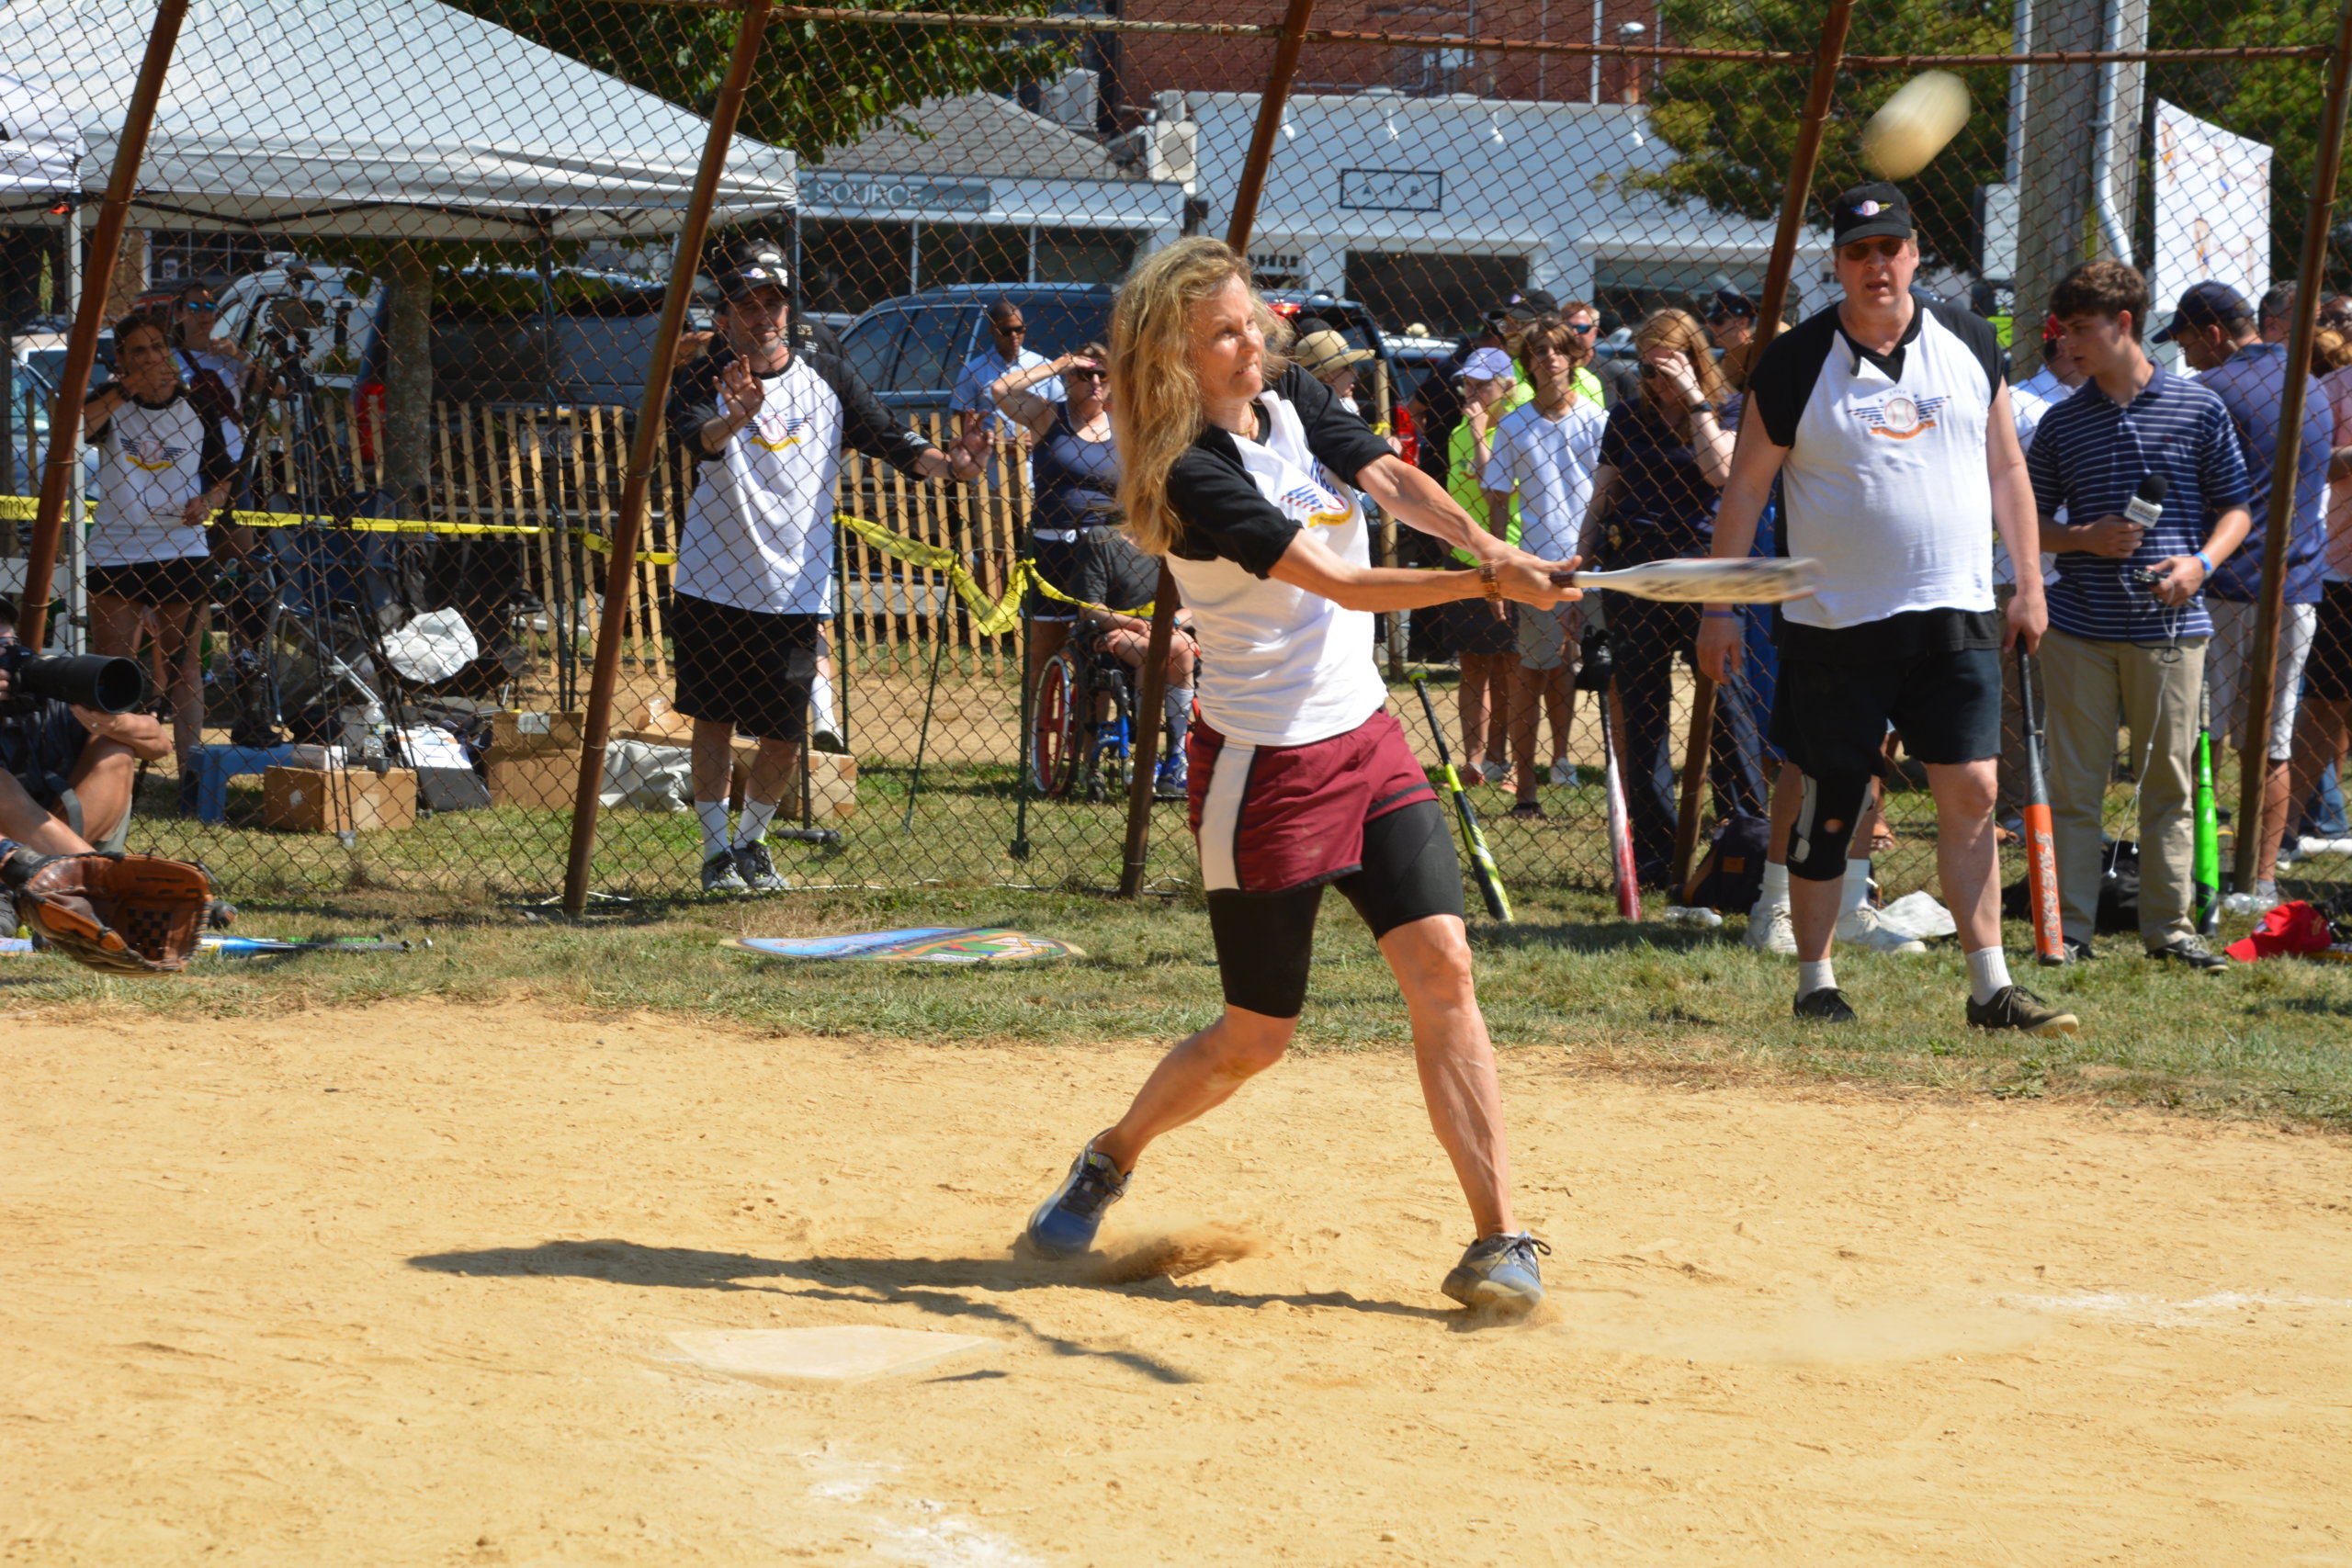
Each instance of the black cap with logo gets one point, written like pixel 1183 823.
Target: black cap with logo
pixel 2207 304
pixel 747 266
pixel 1730 302
pixel 1869 212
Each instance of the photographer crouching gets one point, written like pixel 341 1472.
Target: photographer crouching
pixel 66 770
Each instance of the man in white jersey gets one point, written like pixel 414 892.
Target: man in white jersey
pixel 1887 423
pixel 765 428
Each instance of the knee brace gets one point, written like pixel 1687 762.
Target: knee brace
pixel 1825 826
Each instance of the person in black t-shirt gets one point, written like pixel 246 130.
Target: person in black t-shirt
pixel 67 773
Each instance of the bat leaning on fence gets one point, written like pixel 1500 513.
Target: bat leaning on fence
pixel 1482 862
pixel 2040 838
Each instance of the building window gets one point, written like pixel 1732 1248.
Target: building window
pixel 1420 291
pixel 848 264
pixel 1084 255
pixel 972 253
pixel 1431 72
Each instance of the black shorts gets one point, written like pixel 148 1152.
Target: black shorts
pixel 1266 941
pixel 1469 626
pixel 186 580
pixel 751 668
pixel 2327 674
pixel 1830 714
pixel 1101 566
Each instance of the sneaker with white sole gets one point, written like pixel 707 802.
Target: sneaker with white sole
pixel 757 868
pixel 720 875
pixel 1065 1223
pixel 1497 773
pixel 1771 931
pixel 1564 772
pixel 1500 1270
pixel 1863 927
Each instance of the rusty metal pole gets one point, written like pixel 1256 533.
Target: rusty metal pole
pixel 81 346
pixel 630 522
pixel 1777 272
pixel 1153 685
pixel 2253 762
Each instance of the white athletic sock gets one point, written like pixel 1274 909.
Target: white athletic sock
pixel 820 705
pixel 713 815
pixel 1815 976
pixel 1988 974
pixel 1178 705
pixel 1776 886
pixel 1858 885
pixel 751 822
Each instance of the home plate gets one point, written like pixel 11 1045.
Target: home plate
pixel 835 1354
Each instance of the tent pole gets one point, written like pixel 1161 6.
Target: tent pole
pixel 60 474
pixel 1152 683
pixel 643 445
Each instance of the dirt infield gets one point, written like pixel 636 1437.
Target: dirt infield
pixel 396 1286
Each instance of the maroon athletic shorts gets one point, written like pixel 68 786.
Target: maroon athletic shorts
pixel 1269 819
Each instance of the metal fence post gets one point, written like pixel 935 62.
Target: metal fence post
pixel 1777 272
pixel 2254 761
pixel 1153 686
pixel 630 520
pixel 64 459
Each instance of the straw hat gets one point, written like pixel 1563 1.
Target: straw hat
pixel 1320 353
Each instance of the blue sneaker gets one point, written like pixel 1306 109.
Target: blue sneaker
pixel 1172 778
pixel 1065 1222
pixel 1500 1270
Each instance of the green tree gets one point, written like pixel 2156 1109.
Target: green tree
pixel 1735 125
pixel 818 84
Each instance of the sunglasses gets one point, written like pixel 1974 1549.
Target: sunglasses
pixel 1887 249
pixel 205 306
pixel 1008 331
pixel 1583 329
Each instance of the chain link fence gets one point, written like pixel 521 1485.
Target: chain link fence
pixel 872 589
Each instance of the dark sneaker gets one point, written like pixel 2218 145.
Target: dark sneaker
pixel 1500 1270
pixel 1827 1005
pixel 2078 951
pixel 2189 949
pixel 828 741
pixel 2013 1007
pixel 1065 1222
pixel 720 875
pixel 1528 810
pixel 757 869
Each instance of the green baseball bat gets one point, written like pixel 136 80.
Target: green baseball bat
pixel 1482 861
pixel 2205 876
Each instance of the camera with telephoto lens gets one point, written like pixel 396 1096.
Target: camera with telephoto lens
pixel 84 680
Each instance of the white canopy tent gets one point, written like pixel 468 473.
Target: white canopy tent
pixel 40 146
pixel 386 118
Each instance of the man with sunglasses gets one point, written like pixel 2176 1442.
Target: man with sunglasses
pixel 978 422
pixel 1887 422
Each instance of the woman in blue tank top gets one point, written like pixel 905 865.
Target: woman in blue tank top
pixel 1075 538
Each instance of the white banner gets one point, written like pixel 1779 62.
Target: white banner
pixel 2212 210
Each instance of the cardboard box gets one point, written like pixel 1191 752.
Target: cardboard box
pixel 345 800
pixel 534 734
pixel 832 788
pixel 544 780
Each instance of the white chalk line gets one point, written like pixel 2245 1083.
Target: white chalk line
pixel 914 1529
pixel 2127 1306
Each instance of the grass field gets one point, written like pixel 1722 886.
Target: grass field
pixel 2271 1040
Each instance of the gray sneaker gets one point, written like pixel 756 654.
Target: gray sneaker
pixel 757 869
pixel 1500 1270
pixel 2189 949
pixel 720 875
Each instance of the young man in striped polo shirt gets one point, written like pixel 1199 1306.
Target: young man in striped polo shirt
pixel 2122 647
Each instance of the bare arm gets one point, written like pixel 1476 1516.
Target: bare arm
pixel 1498 512
pixel 2184 575
pixel 1309 563
pixel 1755 463
pixel 1413 497
pixel 1604 492
pixel 141 734
pixel 2013 516
pixel 1011 392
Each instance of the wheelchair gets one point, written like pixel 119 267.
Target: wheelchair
pixel 1081 726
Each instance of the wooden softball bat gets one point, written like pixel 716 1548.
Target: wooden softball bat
pixel 1758 580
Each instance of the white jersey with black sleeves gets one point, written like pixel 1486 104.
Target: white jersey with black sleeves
pixel 758 531
pixel 153 458
pixel 1885 481
pixel 1280 665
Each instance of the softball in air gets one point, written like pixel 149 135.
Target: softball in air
pixel 1914 125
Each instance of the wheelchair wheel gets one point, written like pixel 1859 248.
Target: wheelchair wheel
pixel 1112 744
pixel 1053 726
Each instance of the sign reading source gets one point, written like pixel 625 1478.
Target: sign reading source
pixel 865 193
pixel 1392 190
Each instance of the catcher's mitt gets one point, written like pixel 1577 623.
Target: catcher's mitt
pixel 125 914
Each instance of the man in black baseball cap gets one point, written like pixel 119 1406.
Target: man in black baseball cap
pixel 2207 305
pixel 1731 318
pixel 746 266
pixel 1869 212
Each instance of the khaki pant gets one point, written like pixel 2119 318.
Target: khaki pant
pixel 2089 687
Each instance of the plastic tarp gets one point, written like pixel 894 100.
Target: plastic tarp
pixel 40 145
pixel 386 118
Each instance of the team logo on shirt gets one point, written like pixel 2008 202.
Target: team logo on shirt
pixel 155 456
pixel 1899 416
pixel 776 435
pixel 1314 503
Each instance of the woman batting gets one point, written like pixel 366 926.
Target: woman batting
pixel 1245 474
